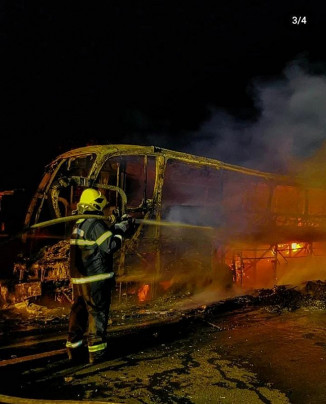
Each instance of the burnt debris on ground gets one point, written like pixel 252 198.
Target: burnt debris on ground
pixel 25 319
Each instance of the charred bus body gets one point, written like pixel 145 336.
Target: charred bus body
pixel 242 223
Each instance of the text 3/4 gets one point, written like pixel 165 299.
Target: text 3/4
pixel 299 20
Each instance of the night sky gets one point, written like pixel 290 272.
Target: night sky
pixel 139 72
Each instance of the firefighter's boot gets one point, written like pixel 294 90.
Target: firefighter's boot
pixel 75 351
pixel 97 353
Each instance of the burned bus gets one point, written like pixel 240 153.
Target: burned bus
pixel 200 221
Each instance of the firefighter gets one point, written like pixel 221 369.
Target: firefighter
pixel 92 245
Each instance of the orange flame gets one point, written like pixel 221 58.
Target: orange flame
pixel 295 246
pixel 143 292
pixel 166 284
pixel 290 247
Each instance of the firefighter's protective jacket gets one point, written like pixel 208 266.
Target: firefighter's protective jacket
pixel 92 245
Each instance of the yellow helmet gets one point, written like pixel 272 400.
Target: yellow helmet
pixel 91 199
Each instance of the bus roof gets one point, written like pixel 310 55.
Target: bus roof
pixel 124 149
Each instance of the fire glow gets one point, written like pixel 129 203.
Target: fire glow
pixel 290 247
pixel 296 246
pixel 143 293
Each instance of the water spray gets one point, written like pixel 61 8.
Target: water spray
pixel 171 224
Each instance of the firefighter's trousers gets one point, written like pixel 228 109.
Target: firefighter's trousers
pixel 89 315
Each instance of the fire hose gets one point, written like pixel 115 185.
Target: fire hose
pixel 21 400
pixel 111 219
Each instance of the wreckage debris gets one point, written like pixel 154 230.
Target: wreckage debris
pixel 280 298
pixel 52 262
pixel 316 289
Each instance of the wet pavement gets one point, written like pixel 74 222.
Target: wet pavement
pixel 188 370
pixel 287 349
pixel 233 352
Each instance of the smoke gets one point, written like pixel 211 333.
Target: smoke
pixel 291 125
pixel 299 271
pixel 288 136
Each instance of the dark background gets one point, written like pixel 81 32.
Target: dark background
pixel 139 72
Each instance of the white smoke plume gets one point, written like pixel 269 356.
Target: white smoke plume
pixel 291 124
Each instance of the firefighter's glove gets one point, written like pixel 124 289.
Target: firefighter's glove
pixel 126 226
pixel 125 217
pixel 131 222
pixel 121 227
